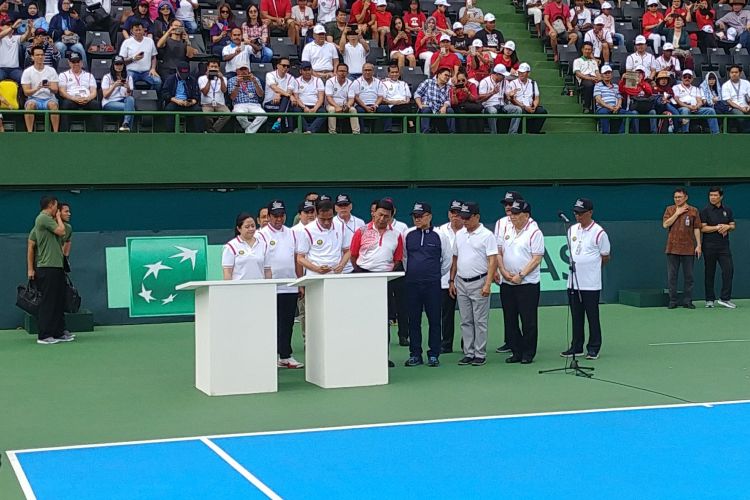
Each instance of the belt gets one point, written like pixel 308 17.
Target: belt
pixel 475 278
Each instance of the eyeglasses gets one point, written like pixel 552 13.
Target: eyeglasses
pixel 225 12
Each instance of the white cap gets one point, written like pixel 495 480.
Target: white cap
pixel 510 44
pixel 379 3
pixel 319 29
pixel 640 67
pixel 477 43
pixel 599 20
pixel 707 28
pixel 489 17
pixel 606 5
pixel 445 37
pixel 442 2
pixel 640 39
pixel 668 46
pixel 500 69
pixel 652 2
pixel 458 26
pixel 524 68
pixel 606 69
pixel 688 72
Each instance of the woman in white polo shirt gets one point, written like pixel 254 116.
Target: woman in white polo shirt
pixel 245 257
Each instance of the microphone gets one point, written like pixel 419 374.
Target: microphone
pixel 563 217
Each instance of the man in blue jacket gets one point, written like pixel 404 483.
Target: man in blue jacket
pixel 181 93
pixel 427 256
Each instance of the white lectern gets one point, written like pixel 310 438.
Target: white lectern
pixel 346 322
pixel 235 336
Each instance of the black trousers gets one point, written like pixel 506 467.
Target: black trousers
pixel 673 268
pixel 93 122
pixel 448 320
pixel 424 297
pixel 469 125
pixel 585 307
pixel 286 306
pixel 587 93
pixel 398 308
pixel 534 125
pixel 287 124
pixel 724 257
pixel 521 301
pixel 194 123
pixel 51 319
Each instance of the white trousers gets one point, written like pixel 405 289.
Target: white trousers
pixel 247 107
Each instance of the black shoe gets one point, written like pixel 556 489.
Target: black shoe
pixel 466 360
pixel 403 341
pixel 414 361
pixel 672 306
pixel 446 350
pixel 571 352
pixel 513 359
pixel 689 305
pixel 478 362
pixel 433 361
pixel 526 361
pixel 592 355
pixel 391 364
pixel 503 349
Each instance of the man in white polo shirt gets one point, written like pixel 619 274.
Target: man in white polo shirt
pixel 321 54
pixel 321 250
pixel 589 251
pixel 448 305
pixel 140 54
pixel 308 96
pixel 520 256
pixel 472 271
pixel 281 255
pixel 337 99
pixel 350 223
pixel 366 94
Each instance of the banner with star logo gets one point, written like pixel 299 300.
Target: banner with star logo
pixel 157 265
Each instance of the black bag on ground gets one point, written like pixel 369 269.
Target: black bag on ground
pixel 72 298
pixel 28 298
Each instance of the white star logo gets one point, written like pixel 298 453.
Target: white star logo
pixel 154 269
pixel 185 254
pixel 168 299
pixel 146 294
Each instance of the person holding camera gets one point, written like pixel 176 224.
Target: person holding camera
pixel 181 93
pixel 465 100
pixel 445 57
pixel 399 44
pixel 246 92
pixel 39 83
pixel 355 49
pixel 117 92
pixel 492 94
pixel 427 43
pixel 67 29
pixel 174 47
pixel 43 40
pixel 10 43
pixel 213 86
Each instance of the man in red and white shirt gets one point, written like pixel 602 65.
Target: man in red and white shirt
pixel 321 249
pixel 350 223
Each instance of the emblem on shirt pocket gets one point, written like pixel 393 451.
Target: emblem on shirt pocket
pixel 272 243
pixel 319 242
pixel 241 252
pixel 507 236
pixel 574 238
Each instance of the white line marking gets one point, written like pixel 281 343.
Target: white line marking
pixel 702 342
pixel 239 468
pixel 21 475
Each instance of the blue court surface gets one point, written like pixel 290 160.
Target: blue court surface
pixel 680 451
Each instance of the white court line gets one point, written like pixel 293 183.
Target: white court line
pixel 21 475
pixel 239 468
pixel 701 342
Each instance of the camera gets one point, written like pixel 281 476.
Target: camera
pixel 352 28
pixel 179 31
pixel 45 82
pixel 459 85
pixel 212 75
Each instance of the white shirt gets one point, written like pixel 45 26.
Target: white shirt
pixel 586 249
pixel 117 95
pixel 243 57
pixel 215 95
pixel 635 59
pixel 587 67
pixel 247 262
pixel 488 85
pixel 397 90
pixel 77 85
pixel 337 90
pixel 503 227
pixel 355 57
pixel 282 250
pixel 578 19
pixel 307 90
pixel 321 246
pixel 320 56
pixel 661 64
pixel 526 91
pixel 519 249
pixel 327 11
pixel 377 251
pixel 9 51
pixel 349 228
pixel 450 234
pixel 33 78
pixel 300 16
pixel 591 37
pixel 472 250
pixel 399 226
pixel 368 92
pixel 185 11
pixel 738 93
pixel 131 47
pixel 688 95
pixel 273 78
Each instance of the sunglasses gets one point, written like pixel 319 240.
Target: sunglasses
pixel 687 77
pixel 284 65
pixel 225 12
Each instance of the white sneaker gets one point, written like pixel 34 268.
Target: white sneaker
pixel 67 337
pixel 289 362
pixel 727 303
pixel 709 304
pixel 47 341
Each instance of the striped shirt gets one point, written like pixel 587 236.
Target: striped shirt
pixel 608 93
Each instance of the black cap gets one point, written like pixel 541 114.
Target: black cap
pixel 40 31
pixel 306 206
pixel 117 60
pixel 511 196
pixel 520 206
pixel 455 205
pixel 343 199
pixel 276 207
pixel 385 204
pixel 183 67
pixel 420 208
pixel 468 209
pixel 324 197
pixel 305 65
pixel 74 57
pixel 583 205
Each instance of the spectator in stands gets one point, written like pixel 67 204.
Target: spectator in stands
pixel 586 71
pixel 355 49
pixel 674 11
pixel 414 19
pixel 337 98
pixel 139 15
pixel 433 97
pixel 327 10
pixel 164 19
pixel 213 86
pixel 32 13
pixel 140 57
pixel 185 13
pixel 10 48
pixel 43 40
pixel 235 53
pixel 664 97
pixel 650 20
pixel 471 17
pixel 181 93
pixel 117 92
pixel 711 89
pixel 460 42
pixel 524 92
pixel 381 22
pixel 441 18
pixel 221 30
pixel 40 86
pixel 464 97
pixel 491 38
pixel 322 55
pixel 175 47
pixel 610 26
pixel 478 62
pixel 78 91
pixel 303 19
pixel 690 102
pixel 361 14
pixel 608 100
pixel 600 39
pixel 335 29
pixel 277 15
pixel 492 94
pixel 309 94
pixel 444 57
pixel 246 92
pixel 705 17
pixel 399 44
pixel 667 62
pixel 4 15
pixel 739 20
pixel 736 93
pixel 97 17
pixel 679 38
pixel 535 10
pixel 508 58
pixel 278 95
pixel 366 94
pixel 67 30
pixel 683 245
pixel 397 94
pixel 559 28
pixel 255 33
pixel 427 43
pixel 638 99
pixel 581 18
pixel 641 58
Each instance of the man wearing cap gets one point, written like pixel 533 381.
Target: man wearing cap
pixel 641 58
pixel 181 93
pixel 491 38
pixel 589 252
pixel 140 54
pixel 433 97
pixel 683 223
pixel 39 84
pixel 43 40
pixel 246 92
pixel 281 256
pixel 366 95
pixel 717 221
pixel 337 98
pixel 460 42
pixel 10 45
pixel 448 303
pixel 736 93
pixel 492 95
pixel 380 23
pixel 78 91
pixel 689 99
pixel 652 20
pixel 608 101
pixel 321 54
pixel 427 256
pixel 309 93
pixel 559 28
pixel 610 25
pixel 518 263
pixel 599 39
pixel 586 71
pixel 321 248
pixel 349 222
pixel 738 19
pixel 666 61
pixel 471 17
pixel 445 58
pixel 524 93
pixel 472 272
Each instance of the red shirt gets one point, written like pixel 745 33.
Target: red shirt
pixel 440 20
pixel 376 252
pixel 459 96
pixel 702 20
pixel 414 20
pixel 449 61
pixel 276 8
pixel 420 47
pixel 383 19
pixel 478 72
pixel 357 9
pixel 669 21
pixel 648 19
pixel 500 59
pixel 554 11
pixel 401 45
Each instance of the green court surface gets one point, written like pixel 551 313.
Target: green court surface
pixel 124 383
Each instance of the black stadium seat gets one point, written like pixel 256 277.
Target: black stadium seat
pixel 146 100
pixel 97 39
pixel 100 67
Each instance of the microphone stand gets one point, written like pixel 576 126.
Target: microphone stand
pixel 574 367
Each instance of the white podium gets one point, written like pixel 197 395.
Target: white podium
pixel 235 336
pixel 346 322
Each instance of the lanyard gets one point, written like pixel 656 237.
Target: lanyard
pixel 737 89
